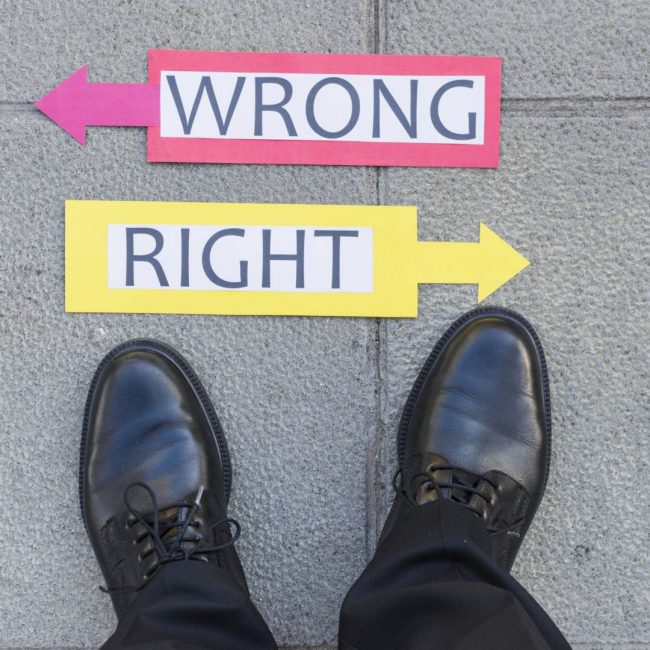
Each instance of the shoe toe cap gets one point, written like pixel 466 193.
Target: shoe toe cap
pixel 145 423
pixel 484 404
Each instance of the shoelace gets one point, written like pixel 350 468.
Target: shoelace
pixel 455 483
pixel 181 547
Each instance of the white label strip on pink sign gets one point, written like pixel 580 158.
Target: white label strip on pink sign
pixel 307 109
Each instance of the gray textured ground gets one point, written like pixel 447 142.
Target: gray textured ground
pixel 310 405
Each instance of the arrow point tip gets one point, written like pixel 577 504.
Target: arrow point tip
pixel 64 104
pixel 503 262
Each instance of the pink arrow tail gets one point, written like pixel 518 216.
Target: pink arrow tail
pixel 123 105
pixel 75 104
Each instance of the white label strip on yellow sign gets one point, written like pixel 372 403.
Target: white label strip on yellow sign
pixel 233 258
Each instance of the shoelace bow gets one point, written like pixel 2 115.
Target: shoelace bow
pixel 181 546
pixel 456 482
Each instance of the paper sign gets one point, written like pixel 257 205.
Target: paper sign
pixel 327 109
pixel 311 109
pixel 225 258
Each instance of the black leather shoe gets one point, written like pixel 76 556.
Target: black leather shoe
pixel 155 471
pixel 476 428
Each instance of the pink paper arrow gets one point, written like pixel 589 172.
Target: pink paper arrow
pixel 75 104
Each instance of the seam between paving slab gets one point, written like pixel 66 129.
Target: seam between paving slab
pixel 512 106
pixel 381 399
pixel 374 509
pixel 375 436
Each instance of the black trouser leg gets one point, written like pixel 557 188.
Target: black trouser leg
pixel 192 606
pixel 432 584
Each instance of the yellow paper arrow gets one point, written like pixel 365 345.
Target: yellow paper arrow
pixel 490 263
pixel 379 268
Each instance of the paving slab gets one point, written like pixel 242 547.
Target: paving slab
pixel 296 396
pixel 571 195
pixel 566 48
pixel 43 42
pixel 288 436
